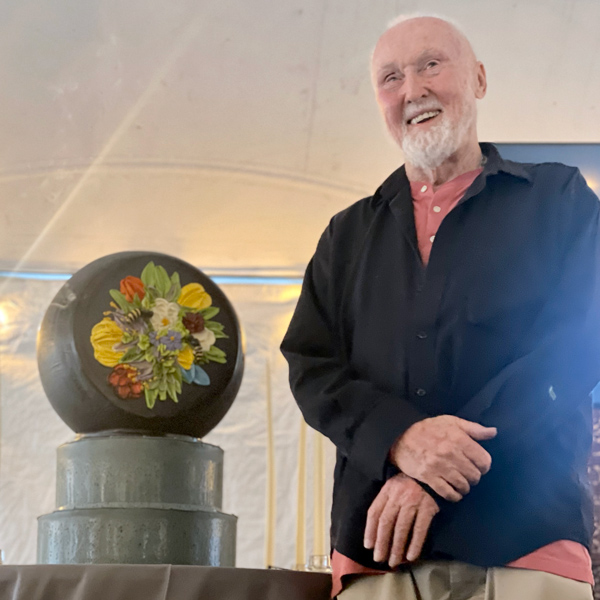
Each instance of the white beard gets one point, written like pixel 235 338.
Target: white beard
pixel 429 149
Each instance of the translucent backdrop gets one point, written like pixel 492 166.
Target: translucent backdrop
pixel 30 431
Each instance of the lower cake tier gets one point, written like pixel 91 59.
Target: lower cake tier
pixel 137 536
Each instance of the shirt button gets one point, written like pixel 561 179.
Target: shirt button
pixel 422 335
pixel 432 238
pixel 437 209
pixel 421 392
pixel 424 188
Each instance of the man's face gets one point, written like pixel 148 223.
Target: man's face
pixel 427 81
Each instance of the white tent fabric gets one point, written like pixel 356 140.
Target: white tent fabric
pixel 30 431
pixel 227 133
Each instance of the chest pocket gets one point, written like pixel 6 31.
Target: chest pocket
pixel 505 299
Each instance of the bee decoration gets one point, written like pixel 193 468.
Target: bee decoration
pixel 137 313
pixel 196 347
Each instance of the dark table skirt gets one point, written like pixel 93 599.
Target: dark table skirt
pixel 158 582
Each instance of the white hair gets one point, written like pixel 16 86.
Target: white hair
pixel 418 15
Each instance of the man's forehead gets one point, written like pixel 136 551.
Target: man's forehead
pixel 411 40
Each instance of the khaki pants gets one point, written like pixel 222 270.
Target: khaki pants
pixel 459 581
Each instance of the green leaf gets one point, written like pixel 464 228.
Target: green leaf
pixel 163 281
pixel 174 289
pixel 171 295
pixel 131 355
pixel 162 395
pixel 137 303
pixel 176 283
pixel 178 376
pixel 214 351
pixel 151 294
pixel 120 300
pixel 148 275
pixel 217 359
pixel 216 328
pixel 150 397
pixel 172 390
pixel 210 312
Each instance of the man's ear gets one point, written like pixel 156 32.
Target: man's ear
pixel 480 81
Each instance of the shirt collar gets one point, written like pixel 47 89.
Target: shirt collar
pixel 397 183
pixel 495 163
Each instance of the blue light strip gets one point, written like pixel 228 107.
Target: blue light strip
pixel 36 276
pixel 219 280
pixel 240 280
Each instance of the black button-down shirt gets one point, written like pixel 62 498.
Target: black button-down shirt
pixel 501 327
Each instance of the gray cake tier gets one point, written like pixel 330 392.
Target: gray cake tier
pixel 127 470
pixel 137 536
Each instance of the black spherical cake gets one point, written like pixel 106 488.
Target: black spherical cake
pixel 140 341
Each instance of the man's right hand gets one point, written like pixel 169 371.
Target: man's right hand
pixel 442 453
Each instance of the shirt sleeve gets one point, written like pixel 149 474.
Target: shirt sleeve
pixel 362 420
pixel 559 365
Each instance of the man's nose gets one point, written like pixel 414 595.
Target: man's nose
pixel 414 87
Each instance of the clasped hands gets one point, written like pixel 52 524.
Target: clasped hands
pixel 442 452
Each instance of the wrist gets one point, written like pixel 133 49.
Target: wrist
pixel 393 453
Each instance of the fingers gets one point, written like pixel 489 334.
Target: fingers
pixel 477 431
pixel 421 527
pixel 404 524
pixel 442 488
pixel 468 469
pixel 385 531
pixel 401 511
pixel 460 463
pixel 458 481
pixel 478 456
pixel 373 516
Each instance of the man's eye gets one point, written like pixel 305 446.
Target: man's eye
pixel 390 77
pixel 431 64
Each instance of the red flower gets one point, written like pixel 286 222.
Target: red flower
pixel 193 322
pixel 124 380
pixel 130 286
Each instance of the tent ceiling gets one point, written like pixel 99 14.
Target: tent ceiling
pixel 228 133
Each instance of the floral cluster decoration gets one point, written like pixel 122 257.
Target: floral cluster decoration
pixel 157 336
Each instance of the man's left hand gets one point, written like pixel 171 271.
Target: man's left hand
pixel 401 508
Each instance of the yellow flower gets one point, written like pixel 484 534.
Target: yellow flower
pixel 186 358
pixel 193 296
pixel 104 336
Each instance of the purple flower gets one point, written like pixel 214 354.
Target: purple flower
pixel 171 340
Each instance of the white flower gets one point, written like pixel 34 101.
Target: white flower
pixel 165 314
pixel 206 338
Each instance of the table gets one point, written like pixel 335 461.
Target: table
pixel 158 582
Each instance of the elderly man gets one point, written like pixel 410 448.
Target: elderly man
pixel 446 341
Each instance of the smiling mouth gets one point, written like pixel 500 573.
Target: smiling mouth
pixel 423 117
